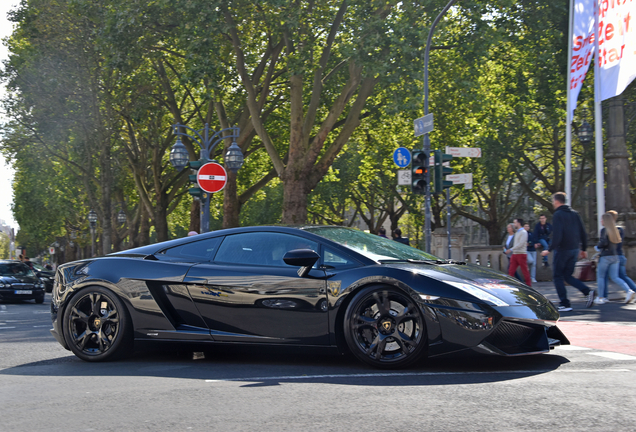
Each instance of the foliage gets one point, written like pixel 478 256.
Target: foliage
pixel 323 92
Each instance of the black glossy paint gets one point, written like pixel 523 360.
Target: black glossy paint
pixel 20 286
pixel 171 295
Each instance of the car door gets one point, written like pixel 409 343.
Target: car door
pixel 249 294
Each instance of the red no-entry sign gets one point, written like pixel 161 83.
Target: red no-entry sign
pixel 212 177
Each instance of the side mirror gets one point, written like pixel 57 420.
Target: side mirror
pixel 303 258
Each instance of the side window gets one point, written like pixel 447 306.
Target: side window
pixel 203 250
pixel 335 260
pixel 261 248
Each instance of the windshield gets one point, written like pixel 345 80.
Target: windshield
pixel 15 269
pixel 371 246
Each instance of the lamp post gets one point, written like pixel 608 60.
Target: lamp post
pixel 426 143
pixel 92 219
pixel 207 140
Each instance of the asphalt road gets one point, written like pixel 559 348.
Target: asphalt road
pixel 588 386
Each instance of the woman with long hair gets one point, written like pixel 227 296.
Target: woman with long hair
pixel 608 263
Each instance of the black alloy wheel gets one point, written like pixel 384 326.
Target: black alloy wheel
pixel 385 328
pixel 96 325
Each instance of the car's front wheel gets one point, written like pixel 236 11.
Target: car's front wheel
pixel 96 325
pixel 385 328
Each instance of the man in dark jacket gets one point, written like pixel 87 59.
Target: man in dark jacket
pixel 569 241
pixel 542 231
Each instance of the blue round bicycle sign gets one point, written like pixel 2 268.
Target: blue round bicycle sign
pixel 402 157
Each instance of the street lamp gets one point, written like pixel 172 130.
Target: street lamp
pixel 121 217
pixel 92 219
pixel 585 133
pixel 179 156
pixel 234 158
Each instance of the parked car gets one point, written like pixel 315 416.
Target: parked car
pixel 19 282
pixel 47 276
pixel 389 304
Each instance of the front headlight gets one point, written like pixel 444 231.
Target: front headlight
pixel 478 292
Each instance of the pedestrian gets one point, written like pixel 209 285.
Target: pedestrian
pixel 397 236
pixel 532 253
pixel 21 258
pixel 569 242
pixel 192 233
pixel 542 231
pixel 382 232
pixel 608 263
pixel 28 262
pixel 622 269
pixel 519 252
pixel 508 243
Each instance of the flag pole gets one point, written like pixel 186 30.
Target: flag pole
pixel 598 132
pixel 569 114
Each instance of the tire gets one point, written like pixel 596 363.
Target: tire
pixel 97 326
pixel 39 300
pixel 385 328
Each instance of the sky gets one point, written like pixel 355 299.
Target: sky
pixel 6 172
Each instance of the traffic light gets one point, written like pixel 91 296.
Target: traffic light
pixel 419 171
pixel 195 190
pixel 441 171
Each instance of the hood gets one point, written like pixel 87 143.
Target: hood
pixel 19 279
pixel 507 288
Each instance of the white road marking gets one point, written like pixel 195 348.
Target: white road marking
pixel 4 328
pixel 613 355
pixel 42 312
pixel 409 374
pixel 48 325
pixel 572 348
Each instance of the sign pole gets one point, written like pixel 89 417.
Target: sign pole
pixel 448 221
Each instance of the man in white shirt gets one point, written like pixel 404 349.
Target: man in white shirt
pixel 519 252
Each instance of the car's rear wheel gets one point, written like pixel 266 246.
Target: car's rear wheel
pixel 385 328
pixel 96 325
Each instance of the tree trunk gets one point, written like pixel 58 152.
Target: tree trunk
pixel 231 207
pixel 161 221
pixel 144 228
pixel 295 200
pixel 495 234
pixel 195 216
pixel 617 191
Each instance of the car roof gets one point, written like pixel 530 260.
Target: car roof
pixel 298 230
pixel 157 247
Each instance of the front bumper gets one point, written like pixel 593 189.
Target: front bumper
pixel 503 331
pixel 14 294
pixel 56 331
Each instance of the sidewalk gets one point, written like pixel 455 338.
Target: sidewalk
pixel 614 311
pixel 608 327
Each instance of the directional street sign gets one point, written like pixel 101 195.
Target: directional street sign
pixel 460 178
pixel 402 157
pixel 474 152
pixel 423 124
pixel 212 177
pixel 404 177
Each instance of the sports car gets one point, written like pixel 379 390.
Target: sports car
pixel 389 304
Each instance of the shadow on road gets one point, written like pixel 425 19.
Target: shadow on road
pixel 272 366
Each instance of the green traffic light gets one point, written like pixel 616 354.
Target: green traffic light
pixel 441 171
